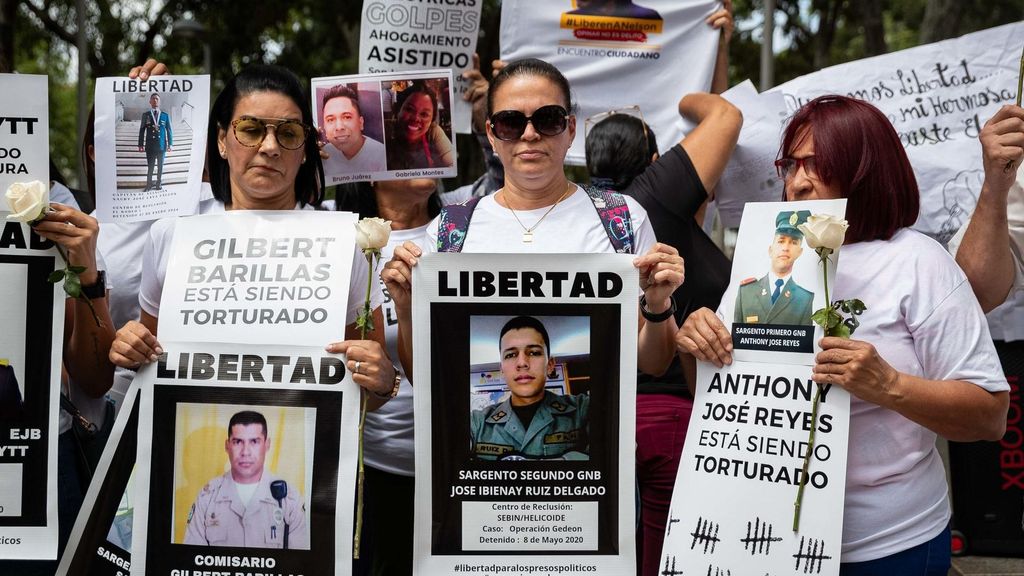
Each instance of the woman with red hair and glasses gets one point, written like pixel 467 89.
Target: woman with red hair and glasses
pixel 922 363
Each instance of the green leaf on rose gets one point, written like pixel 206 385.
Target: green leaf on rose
pixel 72 285
pixel 853 306
pixel 77 269
pixel 55 276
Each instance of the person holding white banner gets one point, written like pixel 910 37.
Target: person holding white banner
pixel 261 155
pixel 531 126
pixel 923 363
pixel 622 155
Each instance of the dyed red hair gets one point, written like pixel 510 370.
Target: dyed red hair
pixel 856 149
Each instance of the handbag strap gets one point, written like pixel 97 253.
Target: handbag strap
pixel 76 415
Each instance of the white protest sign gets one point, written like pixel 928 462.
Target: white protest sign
pixel 776 283
pixel 396 36
pixel 24 129
pixel 150 146
pixel 388 126
pixel 649 55
pixel 733 502
pixel 938 96
pixel 32 317
pixel 259 277
pixel 557 332
pixel 215 417
pixel 750 175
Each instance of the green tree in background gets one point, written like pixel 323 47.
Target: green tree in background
pixel 321 38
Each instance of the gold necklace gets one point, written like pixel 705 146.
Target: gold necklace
pixel 528 232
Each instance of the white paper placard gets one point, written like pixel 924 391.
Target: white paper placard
pixel 150 146
pixel 24 129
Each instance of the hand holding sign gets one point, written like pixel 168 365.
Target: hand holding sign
pixel 1002 145
pixel 705 337
pixel 134 345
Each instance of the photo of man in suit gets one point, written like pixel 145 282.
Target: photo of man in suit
pixel 155 138
pixel 775 298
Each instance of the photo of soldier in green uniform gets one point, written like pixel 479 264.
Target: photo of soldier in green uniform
pixel 532 423
pixel 776 298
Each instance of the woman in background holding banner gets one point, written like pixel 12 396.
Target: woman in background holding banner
pixel 260 156
pixel 622 155
pixel 531 125
pixel 923 363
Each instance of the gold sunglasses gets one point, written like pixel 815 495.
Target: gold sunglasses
pixel 251 131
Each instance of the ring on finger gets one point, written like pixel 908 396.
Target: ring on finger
pixel 357 367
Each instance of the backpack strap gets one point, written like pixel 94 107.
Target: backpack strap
pixel 453 225
pixel 614 214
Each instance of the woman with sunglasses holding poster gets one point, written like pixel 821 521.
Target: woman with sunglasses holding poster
pixel 922 362
pixel 531 126
pixel 416 139
pixel 260 156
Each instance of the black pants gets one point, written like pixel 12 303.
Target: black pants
pixel 387 525
pixel 154 155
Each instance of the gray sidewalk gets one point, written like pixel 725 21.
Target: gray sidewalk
pixel 986 566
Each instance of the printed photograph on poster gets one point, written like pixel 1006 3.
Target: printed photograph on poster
pixel 32 316
pixel 265 467
pixel 239 441
pixel 101 539
pixel 387 126
pixel 25 132
pixel 606 48
pixel 741 468
pixel 776 283
pixel 527 389
pixel 150 146
pixel 392 41
pixel 259 277
pixel 525 379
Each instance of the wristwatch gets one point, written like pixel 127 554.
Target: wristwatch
pixel 660 316
pixel 394 388
pixel 97 289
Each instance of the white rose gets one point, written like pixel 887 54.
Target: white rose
pixel 372 233
pixel 824 231
pixel 28 201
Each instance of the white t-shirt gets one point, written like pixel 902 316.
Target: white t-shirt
pixel 388 434
pixel 572 227
pixel 389 440
pixel 123 243
pixel 157 252
pixel 924 320
pixel 370 158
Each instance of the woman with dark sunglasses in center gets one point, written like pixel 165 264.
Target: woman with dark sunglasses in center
pixel 922 362
pixel 261 155
pixel 531 125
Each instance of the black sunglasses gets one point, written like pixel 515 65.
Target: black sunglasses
pixel 550 120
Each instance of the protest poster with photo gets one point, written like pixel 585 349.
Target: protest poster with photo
pixel 101 540
pixel 390 126
pixel 150 146
pixel 24 129
pixel 525 399
pixel 234 443
pixel 608 51
pixel 741 468
pixel 31 339
pixel 396 36
pixel 938 97
pixel 259 277
pixel 776 283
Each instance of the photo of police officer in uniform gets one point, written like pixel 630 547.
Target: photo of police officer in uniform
pixel 156 139
pixel 776 298
pixel 531 422
pixel 248 506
